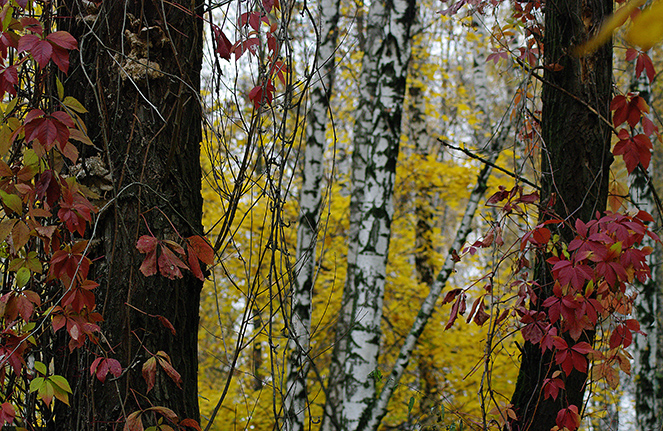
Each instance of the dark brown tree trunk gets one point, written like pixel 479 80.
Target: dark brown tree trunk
pixel 575 160
pixel 138 74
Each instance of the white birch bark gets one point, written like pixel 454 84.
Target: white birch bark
pixel 296 398
pixel 648 309
pixel 376 142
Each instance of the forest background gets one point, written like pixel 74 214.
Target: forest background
pixel 401 223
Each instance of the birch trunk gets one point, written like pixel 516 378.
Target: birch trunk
pixel 647 350
pixel 309 216
pixel 376 143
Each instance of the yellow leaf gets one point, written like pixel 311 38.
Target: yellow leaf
pixel 647 29
pixel 74 104
pixel 610 25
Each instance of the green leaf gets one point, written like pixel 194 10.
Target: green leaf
pixel 40 367
pixel 30 158
pixel 5 139
pixel 8 17
pixel 61 383
pixel 36 384
pixel 12 201
pixel 22 277
pixel 410 405
pixel 376 374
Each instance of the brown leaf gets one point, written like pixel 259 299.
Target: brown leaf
pixel 150 372
pixel 134 422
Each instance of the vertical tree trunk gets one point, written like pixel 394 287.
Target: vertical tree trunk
pixel 647 350
pixel 309 215
pixel 138 74
pixel 574 174
pixel 376 142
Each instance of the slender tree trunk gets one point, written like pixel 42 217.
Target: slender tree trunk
pixel 309 215
pixel 428 306
pixel 138 74
pixel 648 350
pixel 574 180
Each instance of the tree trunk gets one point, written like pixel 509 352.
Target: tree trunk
pixel 138 74
pixel 647 350
pixel 376 142
pixel 574 175
pixel 309 216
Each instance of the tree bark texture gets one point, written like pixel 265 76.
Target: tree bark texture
pixel 376 143
pixel 575 159
pixel 647 307
pixel 138 74
pixel 311 197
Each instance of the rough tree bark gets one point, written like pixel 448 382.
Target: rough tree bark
pixel 574 174
pixel 310 202
pixel 138 74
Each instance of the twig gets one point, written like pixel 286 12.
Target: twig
pixel 489 163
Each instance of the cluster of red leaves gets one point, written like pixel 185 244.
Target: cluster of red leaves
pixel 591 276
pixel 635 148
pixel 169 264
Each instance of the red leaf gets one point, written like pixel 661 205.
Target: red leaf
pixel 149 265
pixel 32 24
pixel 451 295
pixel 568 418
pixel 223 45
pixel 240 47
pixel 41 51
pixel 102 366
pixel 268 4
pixel 27 42
pixel 165 412
pixel 458 307
pixel 114 367
pixel 634 150
pixel 146 243
pixel 631 54
pixel 551 387
pixel 536 324
pixel 169 264
pixel 621 336
pixel 254 20
pixel 190 423
pixel 262 94
pixel 199 249
pixel 95 364
pixel 7 414
pixel 63 39
pixel 202 248
pixel 165 322
pixel 170 371
pixel 60 57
